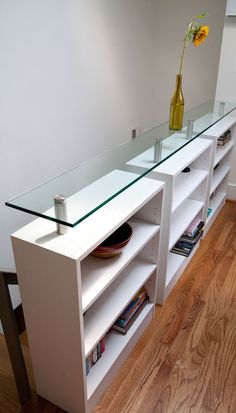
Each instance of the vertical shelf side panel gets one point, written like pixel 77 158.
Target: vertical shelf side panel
pixel 164 236
pixel 49 285
pixel 231 185
pixel 210 176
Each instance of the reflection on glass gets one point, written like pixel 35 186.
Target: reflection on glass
pixel 94 183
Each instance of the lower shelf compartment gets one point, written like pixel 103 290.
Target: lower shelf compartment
pixel 118 346
pixel 176 265
pixel 216 204
pixel 218 176
pixel 102 314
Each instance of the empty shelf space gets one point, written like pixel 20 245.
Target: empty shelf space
pixel 175 267
pixel 182 217
pixel 174 263
pixel 102 314
pixel 215 204
pixel 185 184
pixel 219 174
pixel 115 345
pixel 97 273
pixel 221 152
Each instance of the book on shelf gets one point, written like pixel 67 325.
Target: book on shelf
pixel 194 228
pixel 131 308
pixel 186 243
pixel 129 312
pixel 95 355
pixel 191 240
pixel 223 139
pixel 124 329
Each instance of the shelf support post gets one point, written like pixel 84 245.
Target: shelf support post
pixel 189 132
pixel 60 212
pixel 157 150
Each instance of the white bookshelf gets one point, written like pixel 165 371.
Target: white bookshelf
pixel 97 275
pixel 182 217
pixel 185 198
pixel 72 298
pixel 220 167
pixel 175 266
pixel 222 152
pixel 103 313
pixel 218 175
pixel 115 345
pixel 185 184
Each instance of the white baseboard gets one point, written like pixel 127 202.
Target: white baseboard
pixel 231 192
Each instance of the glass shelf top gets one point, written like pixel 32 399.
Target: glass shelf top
pixel 91 185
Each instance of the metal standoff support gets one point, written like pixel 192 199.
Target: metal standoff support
pixel 189 132
pixel 221 108
pixel 157 150
pixel 60 212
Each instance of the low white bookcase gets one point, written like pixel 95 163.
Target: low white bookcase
pixel 71 298
pixel 220 167
pixel 185 198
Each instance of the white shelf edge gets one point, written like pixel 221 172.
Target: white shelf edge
pixel 181 263
pixel 97 273
pixel 182 217
pixel 107 308
pixel 222 152
pixel 79 241
pixel 188 185
pixel 218 176
pixel 216 205
pixel 115 345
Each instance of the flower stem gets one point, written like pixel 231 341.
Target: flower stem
pixel 181 60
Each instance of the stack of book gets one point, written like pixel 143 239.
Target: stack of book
pixel 131 312
pixel 95 355
pixel 189 239
pixel 223 139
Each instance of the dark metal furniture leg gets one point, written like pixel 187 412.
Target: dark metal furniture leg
pixel 12 339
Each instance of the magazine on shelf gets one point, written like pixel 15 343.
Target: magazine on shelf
pixel 131 308
pixel 125 329
pixel 185 244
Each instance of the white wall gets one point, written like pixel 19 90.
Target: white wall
pixel 226 85
pixel 77 76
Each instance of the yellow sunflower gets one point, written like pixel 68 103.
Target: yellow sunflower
pixel 200 35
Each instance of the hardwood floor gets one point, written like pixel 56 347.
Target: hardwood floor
pixel 186 360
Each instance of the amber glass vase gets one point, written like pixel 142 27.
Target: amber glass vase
pixel 177 106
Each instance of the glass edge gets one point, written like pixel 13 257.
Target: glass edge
pixel 39 215
pixel 145 173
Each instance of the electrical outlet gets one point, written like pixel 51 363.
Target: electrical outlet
pixel 135 131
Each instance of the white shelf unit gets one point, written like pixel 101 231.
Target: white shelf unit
pixel 71 298
pixel 220 167
pixel 185 198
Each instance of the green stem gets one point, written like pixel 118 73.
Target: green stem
pixel 181 60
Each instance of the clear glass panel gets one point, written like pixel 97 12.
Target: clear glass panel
pixel 94 183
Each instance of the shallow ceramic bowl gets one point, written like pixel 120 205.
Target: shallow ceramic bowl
pixel 114 244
